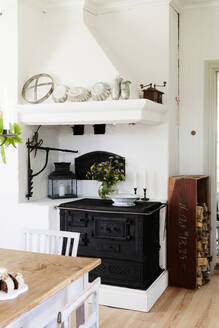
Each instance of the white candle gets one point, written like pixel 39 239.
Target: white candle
pixel 61 190
pixel 145 179
pixel 135 180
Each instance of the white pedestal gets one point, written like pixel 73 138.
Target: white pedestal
pixel 134 299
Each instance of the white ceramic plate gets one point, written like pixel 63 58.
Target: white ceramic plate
pixel 15 293
pixel 123 200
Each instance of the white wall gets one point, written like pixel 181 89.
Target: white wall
pixel 136 40
pixel 59 44
pixel 8 79
pixel 198 42
pixel 173 94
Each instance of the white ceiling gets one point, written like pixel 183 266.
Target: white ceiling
pixel 197 2
pixel 124 3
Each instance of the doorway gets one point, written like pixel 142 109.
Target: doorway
pixel 217 179
pixel 211 146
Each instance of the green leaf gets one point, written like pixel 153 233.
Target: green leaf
pixel 7 142
pixel 17 139
pixel 1 126
pixel 11 128
pixel 3 154
pixel 17 129
pixel 13 143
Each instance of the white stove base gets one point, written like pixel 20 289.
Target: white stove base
pixel 134 299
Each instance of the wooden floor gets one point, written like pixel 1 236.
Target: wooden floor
pixel 177 308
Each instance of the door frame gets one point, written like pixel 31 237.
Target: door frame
pixel 210 143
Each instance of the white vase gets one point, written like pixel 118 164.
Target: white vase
pixel 125 89
pixel 116 88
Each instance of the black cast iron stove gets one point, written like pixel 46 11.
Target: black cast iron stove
pixel 125 238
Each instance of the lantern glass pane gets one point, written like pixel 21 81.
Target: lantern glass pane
pixel 62 188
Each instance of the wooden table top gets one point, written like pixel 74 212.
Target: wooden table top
pixel 44 274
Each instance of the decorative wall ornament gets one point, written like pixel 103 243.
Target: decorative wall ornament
pixel 116 88
pixel 35 141
pixel 152 93
pixel 125 89
pixel 79 94
pixel 60 94
pixel 100 91
pixel 38 88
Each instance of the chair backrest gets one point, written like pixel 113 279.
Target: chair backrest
pixel 52 242
pixel 92 321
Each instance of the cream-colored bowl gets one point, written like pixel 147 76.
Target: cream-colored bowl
pixel 124 200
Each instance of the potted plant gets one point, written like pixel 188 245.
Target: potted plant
pixel 109 173
pixel 7 139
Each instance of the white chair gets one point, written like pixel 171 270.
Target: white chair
pixel 52 242
pixel 91 321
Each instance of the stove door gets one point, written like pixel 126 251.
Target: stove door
pixel 114 227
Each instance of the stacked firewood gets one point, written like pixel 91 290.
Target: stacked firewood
pixel 203 245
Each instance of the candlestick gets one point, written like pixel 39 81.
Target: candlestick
pixel 145 195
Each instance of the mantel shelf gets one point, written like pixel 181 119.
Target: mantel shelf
pixel 93 112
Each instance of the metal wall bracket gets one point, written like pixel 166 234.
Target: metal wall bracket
pixel 30 174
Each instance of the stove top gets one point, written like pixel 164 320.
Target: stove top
pixel 91 204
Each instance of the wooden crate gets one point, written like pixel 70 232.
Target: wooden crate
pixel 188 231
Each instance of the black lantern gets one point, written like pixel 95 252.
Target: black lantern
pixel 62 182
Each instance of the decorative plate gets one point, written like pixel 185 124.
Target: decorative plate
pixel 15 293
pixel 38 88
pixel 100 91
pixel 60 94
pixel 123 200
pixel 79 94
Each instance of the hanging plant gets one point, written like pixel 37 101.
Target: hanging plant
pixel 9 139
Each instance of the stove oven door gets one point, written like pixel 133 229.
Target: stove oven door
pixel 114 236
